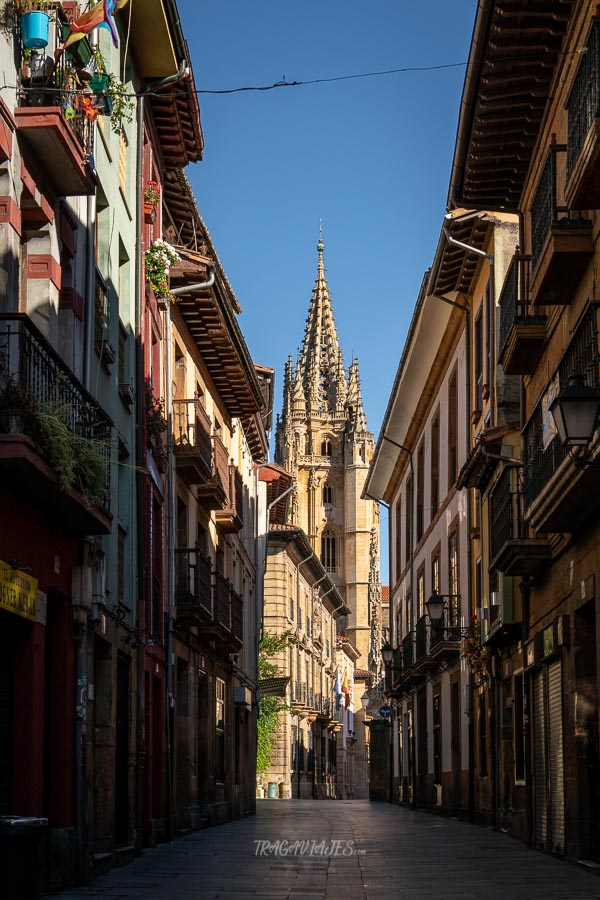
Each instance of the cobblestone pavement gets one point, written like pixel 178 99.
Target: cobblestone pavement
pixel 342 850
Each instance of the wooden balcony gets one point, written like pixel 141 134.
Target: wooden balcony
pixel 55 440
pixel 192 444
pixel 230 519
pixel 213 493
pixel 514 548
pixel 561 242
pixel 59 148
pixel 522 332
pixel 582 190
pixel 193 587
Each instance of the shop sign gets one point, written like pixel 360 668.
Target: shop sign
pixel 18 592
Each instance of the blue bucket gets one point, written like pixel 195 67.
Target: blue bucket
pixel 34 29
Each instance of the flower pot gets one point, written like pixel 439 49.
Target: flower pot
pixel 149 213
pixel 99 82
pixel 34 29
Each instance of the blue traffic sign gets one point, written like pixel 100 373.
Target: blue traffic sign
pixel 385 711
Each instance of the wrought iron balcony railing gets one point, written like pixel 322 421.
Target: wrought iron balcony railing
pixel 583 105
pixel 543 451
pixel 40 394
pixel 193 580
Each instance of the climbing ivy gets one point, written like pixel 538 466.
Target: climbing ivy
pixel 269 706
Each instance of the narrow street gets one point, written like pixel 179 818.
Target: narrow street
pixel 359 850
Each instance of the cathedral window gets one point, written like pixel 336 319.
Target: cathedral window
pixel 326 448
pixel 328 551
pixel 327 495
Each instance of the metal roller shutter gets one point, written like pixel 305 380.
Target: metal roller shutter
pixel 539 750
pixel 555 757
pixel 5 716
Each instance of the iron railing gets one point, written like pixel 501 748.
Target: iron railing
pixel 191 429
pixel 542 453
pixel 421 638
pixel 506 520
pixel 514 302
pixel 408 651
pixel 193 581
pixel 222 601
pixel 583 105
pixel 237 616
pixel 545 209
pixel 220 462
pixel 34 382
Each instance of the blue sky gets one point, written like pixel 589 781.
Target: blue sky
pixel 370 156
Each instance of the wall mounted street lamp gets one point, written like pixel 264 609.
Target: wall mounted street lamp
pixel 575 412
pixel 387 654
pixel 365 700
pixel 435 610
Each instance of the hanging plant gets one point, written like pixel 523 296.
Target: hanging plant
pixel 160 256
pixel 156 422
pixel 152 193
pixel 477 654
pixel 122 103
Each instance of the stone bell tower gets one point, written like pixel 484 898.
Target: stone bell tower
pixel 322 437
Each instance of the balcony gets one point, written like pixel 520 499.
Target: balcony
pixel 582 190
pixel 192 444
pixel 423 634
pixel 298 691
pixel 514 549
pixel 445 637
pixel 561 242
pixel 558 496
pixel 213 493
pixel 224 627
pixel 55 440
pixel 237 617
pixel 230 519
pixel 522 333
pixel 193 587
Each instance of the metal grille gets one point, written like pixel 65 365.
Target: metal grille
pixel 505 512
pixel 193 580
pixel 191 428
pixel 408 651
pixel 543 454
pixel 222 606
pixel 583 105
pixel 543 210
pixel 514 297
pixel 34 379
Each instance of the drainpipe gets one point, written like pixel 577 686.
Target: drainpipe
pixel 466 310
pixel 171 512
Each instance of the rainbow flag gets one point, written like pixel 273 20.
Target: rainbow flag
pixel 99 16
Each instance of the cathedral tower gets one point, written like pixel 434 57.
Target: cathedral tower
pixel 322 437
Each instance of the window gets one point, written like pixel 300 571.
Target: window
pixel 327 495
pixel 326 448
pixel 291 609
pixel 299 610
pixel 435 465
pixel 328 551
pixel 101 315
pixel 122 360
pixel 478 360
pixel 407 610
pixel 421 592
pixel 435 571
pixel 398 536
pixel 452 430
pixel 408 523
pixel 220 730
pixel 491 314
pixel 453 577
pixel 420 490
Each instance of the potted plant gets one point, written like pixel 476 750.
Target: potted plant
pixel 151 200
pixel 97 66
pixel 122 103
pixel 159 257
pixel 35 23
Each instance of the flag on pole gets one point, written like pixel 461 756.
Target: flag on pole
pixel 337 690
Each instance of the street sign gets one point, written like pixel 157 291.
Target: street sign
pixel 385 711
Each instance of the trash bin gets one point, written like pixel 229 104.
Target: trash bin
pixel 272 790
pixel 285 790
pixel 22 857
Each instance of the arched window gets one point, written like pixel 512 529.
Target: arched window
pixel 328 551
pixel 326 448
pixel 327 495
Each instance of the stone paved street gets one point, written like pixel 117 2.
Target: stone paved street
pixel 382 852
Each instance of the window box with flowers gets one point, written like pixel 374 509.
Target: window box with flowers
pixel 160 256
pixel 151 201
